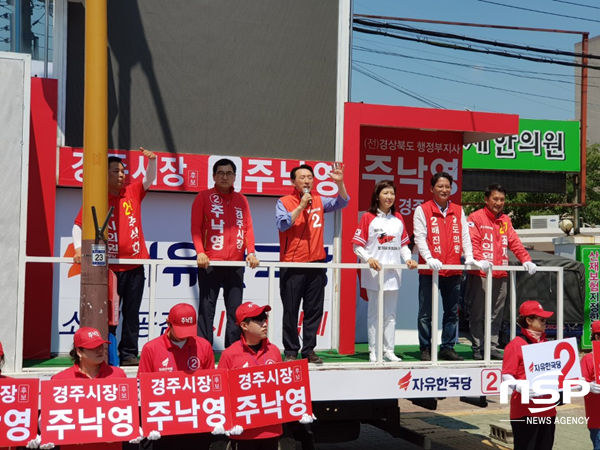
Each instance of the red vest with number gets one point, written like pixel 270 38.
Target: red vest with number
pixel 444 236
pixel 303 241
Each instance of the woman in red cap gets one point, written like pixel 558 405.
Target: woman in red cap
pixel 592 400
pixel 536 435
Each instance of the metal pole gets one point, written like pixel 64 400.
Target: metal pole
pixel 560 276
pixel 513 305
pixel 435 294
pixel 152 278
pixel 381 281
pixel 581 182
pixel 487 317
pixel 271 296
pixel 46 31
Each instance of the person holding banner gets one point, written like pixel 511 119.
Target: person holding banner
pixel 592 400
pixel 299 217
pixel 492 235
pixel 381 238
pixel 527 435
pixel 253 349
pixel 442 236
pixel 125 240
pixel 221 231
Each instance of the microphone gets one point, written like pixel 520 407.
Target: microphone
pixel 307 191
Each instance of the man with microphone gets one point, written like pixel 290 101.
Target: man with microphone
pixel 300 219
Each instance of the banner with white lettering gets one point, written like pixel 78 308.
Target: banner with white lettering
pixel 18 411
pixel 552 361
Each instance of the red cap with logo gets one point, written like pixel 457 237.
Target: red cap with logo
pixel 596 327
pixel 249 309
pixel 182 318
pixel 533 308
pixel 88 337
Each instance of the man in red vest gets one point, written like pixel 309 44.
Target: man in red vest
pixel 442 236
pixel 300 218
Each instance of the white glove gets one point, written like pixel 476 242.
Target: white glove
pixel 307 418
pixel 484 265
pixel 235 431
pixel 470 261
pixel 49 445
pixel 34 443
pixel 137 440
pixel 153 436
pixel 594 388
pixel 218 430
pixel 434 264
pixel 530 267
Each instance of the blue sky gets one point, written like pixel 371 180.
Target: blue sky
pixel 416 70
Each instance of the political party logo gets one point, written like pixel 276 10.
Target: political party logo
pixel 193 363
pixel 404 382
pixel 216 199
pixel 383 238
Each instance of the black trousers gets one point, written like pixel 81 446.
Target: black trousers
pixel 210 281
pixel 306 286
pixel 130 287
pixel 255 444
pixel 529 436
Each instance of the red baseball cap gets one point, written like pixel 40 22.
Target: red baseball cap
pixel 182 318
pixel 533 308
pixel 88 337
pixel 249 309
pixel 595 328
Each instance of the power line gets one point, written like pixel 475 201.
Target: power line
pixel 576 4
pixel 409 29
pixel 470 49
pixel 539 11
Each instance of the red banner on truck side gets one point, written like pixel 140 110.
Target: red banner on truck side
pixel 89 411
pixel 270 394
pixel 18 411
pixel 176 403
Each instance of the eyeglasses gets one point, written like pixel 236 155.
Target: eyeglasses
pixel 225 174
pixel 262 318
pixel 541 319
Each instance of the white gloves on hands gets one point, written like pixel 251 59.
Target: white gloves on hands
pixel 434 264
pixel 218 430
pixel 49 445
pixel 153 436
pixel 530 267
pixel 594 388
pixel 470 261
pixel 137 440
pixel 484 265
pixel 235 431
pixel 307 418
pixel 34 443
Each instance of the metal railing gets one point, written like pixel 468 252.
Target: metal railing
pixel 272 265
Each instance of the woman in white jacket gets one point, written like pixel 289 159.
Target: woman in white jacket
pixel 381 238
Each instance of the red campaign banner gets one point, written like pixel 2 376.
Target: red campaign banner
pixel 596 352
pixel 89 411
pixel 409 158
pixel 18 411
pixel 270 394
pixel 193 173
pixel 176 403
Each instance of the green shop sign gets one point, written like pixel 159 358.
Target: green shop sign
pixel 541 145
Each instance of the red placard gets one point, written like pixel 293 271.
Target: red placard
pixel 88 411
pixel 409 158
pixel 596 352
pixel 18 411
pixel 193 173
pixel 270 394
pixel 176 403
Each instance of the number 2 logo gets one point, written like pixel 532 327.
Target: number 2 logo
pixel 316 219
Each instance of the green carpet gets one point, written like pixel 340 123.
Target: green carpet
pixel 408 353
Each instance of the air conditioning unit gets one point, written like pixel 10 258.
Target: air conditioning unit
pixel 543 222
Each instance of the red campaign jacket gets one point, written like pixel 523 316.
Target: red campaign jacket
pixel 222 225
pixel 592 401
pixel 303 241
pixel 125 234
pixel 512 364
pixel 74 373
pixel 441 236
pixel 239 355
pixel 161 355
pixel 491 238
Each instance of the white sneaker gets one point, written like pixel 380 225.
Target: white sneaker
pixel 391 357
pixel 372 357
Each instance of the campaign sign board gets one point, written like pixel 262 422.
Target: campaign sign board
pixel 18 411
pixel 552 361
pixel 176 403
pixel 89 411
pixel 589 255
pixel 270 394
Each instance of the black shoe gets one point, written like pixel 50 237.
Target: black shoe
pixel 130 361
pixel 290 358
pixel 496 354
pixel 448 354
pixel 477 355
pixel 313 358
pixel 426 354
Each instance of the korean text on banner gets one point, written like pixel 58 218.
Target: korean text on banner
pixel 18 411
pixel 88 411
pixel 270 394
pixel 553 361
pixel 176 403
